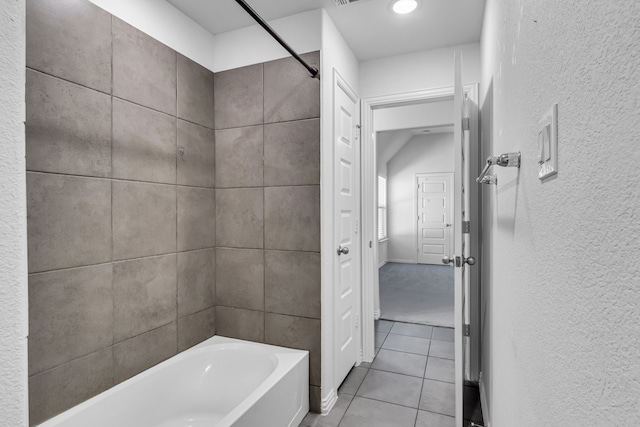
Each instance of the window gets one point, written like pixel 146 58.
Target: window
pixel 382 208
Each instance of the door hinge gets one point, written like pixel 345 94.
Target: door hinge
pixel 466 227
pixel 466 330
pixel 357 321
pixel 465 123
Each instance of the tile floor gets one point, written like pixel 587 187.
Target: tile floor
pixel 409 383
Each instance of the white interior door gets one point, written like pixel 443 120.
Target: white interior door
pixel 462 184
pixel 347 211
pixel 434 198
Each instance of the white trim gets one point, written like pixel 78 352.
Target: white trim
pixel 484 404
pixel 329 402
pixel 369 177
pixel 402 261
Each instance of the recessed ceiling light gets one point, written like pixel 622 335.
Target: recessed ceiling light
pixel 404 6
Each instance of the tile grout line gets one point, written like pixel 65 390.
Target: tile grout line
pixel 120 98
pixel 264 226
pixel 175 153
pixel 113 296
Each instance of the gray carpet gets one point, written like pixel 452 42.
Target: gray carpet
pixel 417 293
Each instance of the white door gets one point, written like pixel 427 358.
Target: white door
pixel 434 216
pixel 461 259
pixel 347 211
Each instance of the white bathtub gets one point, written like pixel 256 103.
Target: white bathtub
pixel 220 382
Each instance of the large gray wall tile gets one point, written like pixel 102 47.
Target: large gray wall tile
pixel 241 324
pixel 292 283
pixel 70 315
pixel 240 218
pixel 292 153
pixel 289 92
pixel 195 92
pixel 239 155
pixel 196 218
pixel 144 219
pixel 68 221
pixel 144 70
pixel 144 295
pixel 296 332
pixel 68 127
pixel 240 278
pixel 292 218
pixel 58 389
pixel 197 166
pixel 196 328
pixel 196 281
pixel 315 403
pixel 71 40
pixel 143 351
pixel 239 94
pixel 144 144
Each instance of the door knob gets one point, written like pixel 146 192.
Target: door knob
pixel 342 250
pixel 471 260
pixel 447 260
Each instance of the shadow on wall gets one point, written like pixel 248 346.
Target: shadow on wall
pixel 488 194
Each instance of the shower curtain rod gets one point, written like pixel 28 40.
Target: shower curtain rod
pixel 313 71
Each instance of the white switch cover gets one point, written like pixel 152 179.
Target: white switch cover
pixel 548 144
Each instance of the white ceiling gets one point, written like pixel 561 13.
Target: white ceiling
pixel 370 28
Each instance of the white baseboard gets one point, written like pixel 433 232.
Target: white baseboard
pixel 376 314
pixel 382 264
pixel 329 402
pixel 403 261
pixel 484 404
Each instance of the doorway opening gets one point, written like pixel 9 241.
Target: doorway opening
pixel 415 168
pixel 460 352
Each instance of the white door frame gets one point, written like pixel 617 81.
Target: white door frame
pixel 370 284
pixel 416 208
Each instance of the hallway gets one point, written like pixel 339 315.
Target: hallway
pixel 409 383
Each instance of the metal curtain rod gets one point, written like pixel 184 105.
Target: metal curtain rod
pixel 313 71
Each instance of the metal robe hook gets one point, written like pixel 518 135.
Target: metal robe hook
pixel 506 160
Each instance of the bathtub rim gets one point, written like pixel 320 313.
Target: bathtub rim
pixel 287 359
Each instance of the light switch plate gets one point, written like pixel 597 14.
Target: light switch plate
pixel 548 144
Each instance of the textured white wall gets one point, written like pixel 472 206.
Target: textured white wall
pixel 225 51
pixel 422 154
pixel 418 70
pixel 162 21
pixel 562 285
pixel 252 45
pixel 13 217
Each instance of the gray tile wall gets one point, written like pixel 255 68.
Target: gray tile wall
pixel 268 207
pixel 151 225
pixel 121 227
